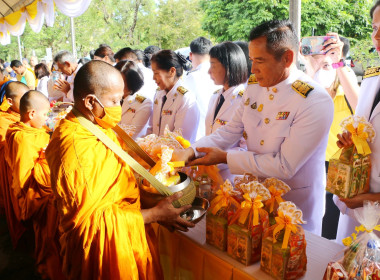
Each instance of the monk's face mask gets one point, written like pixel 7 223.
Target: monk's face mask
pixel 112 116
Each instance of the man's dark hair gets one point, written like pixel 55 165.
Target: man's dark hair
pixel 125 53
pixel 149 51
pixel 233 60
pixel 346 46
pixel 16 63
pixel 133 76
pixel 377 4
pixel 244 46
pixel 92 54
pixel 200 45
pixel 105 51
pixel 139 54
pixel 280 35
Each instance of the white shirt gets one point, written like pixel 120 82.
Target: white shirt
pixel 136 111
pixel 180 111
pixel 70 79
pixel 200 83
pixel 368 90
pixel 43 85
pixel 149 88
pixel 286 136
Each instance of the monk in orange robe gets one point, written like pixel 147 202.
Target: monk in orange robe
pixel 9 113
pixel 25 154
pixel 102 223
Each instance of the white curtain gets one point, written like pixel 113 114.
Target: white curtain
pixel 72 8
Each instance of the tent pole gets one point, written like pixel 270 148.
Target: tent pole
pixel 73 37
pixel 19 47
pixel 295 18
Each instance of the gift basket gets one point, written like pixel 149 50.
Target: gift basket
pixel 283 254
pixel 58 111
pixel 248 224
pixel 361 259
pixel 350 168
pixel 277 189
pixel 222 207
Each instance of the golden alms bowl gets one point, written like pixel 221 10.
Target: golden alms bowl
pixel 150 196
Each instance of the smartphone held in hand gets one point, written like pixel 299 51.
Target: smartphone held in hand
pixel 313 45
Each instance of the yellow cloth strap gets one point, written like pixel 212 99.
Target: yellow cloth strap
pixel 348 240
pixel 284 222
pixel 359 137
pixel 121 153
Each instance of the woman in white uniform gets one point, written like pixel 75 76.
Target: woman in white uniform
pixel 174 105
pixel 369 108
pixel 228 68
pixel 136 109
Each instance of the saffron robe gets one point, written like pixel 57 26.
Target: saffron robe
pixel 103 232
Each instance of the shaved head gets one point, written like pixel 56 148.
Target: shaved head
pixel 33 100
pixel 15 89
pixel 96 77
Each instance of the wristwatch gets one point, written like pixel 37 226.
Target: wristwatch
pixel 341 63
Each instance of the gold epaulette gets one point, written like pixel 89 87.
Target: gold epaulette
pixel 215 92
pixel 252 80
pixel 181 90
pixel 241 93
pixel 140 98
pixel 302 88
pixel 371 72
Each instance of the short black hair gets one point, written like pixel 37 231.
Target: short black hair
pixel 133 76
pixel 139 54
pixel 233 60
pixel 124 53
pixel 104 51
pixel 280 35
pixel 16 63
pixel 149 51
pixel 92 54
pixel 346 46
pixel 200 45
pixel 41 70
pixel 244 47
pixel 377 4
pixel 166 59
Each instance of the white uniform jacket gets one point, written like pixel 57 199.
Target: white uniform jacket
pixel 286 135
pixel 368 90
pixel 136 111
pixel 232 96
pixel 200 83
pixel 179 111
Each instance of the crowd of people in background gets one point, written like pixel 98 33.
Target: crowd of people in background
pixel 243 105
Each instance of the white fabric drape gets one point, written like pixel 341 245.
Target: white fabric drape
pixel 36 14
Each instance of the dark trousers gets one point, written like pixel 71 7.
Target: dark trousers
pixel 331 217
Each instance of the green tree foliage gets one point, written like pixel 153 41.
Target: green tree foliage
pixel 232 20
pixel 118 23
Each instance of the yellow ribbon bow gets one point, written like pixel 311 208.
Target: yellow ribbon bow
pixel 348 240
pixel 4 105
pixel 247 206
pixel 284 221
pixel 359 137
pixel 275 196
pixel 222 199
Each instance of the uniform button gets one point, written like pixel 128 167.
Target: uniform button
pixel 260 108
pixel 267 120
pixel 271 96
pixel 262 142
pixel 274 90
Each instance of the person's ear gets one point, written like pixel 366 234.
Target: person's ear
pixel 89 102
pixel 172 71
pixel 288 58
pixel 10 101
pixel 191 56
pixel 31 114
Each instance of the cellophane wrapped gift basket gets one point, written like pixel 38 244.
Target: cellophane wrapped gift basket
pixel 248 224
pixel 350 168
pixel 361 259
pixel 283 254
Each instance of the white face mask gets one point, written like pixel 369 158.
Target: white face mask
pixel 325 77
